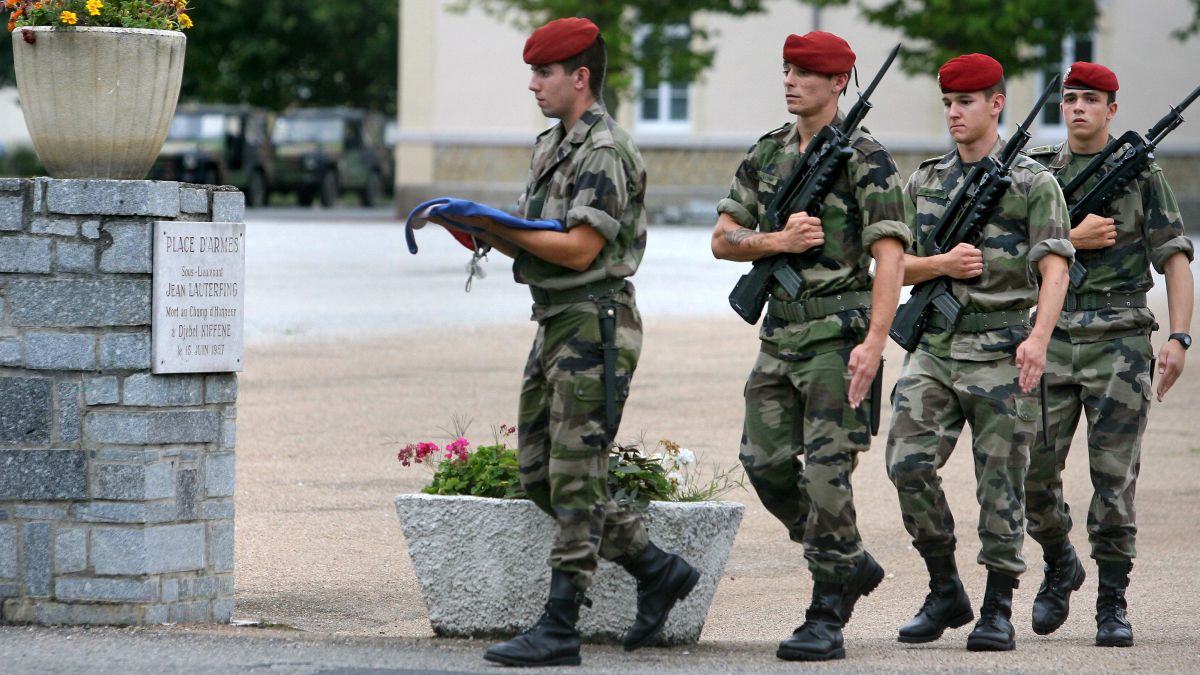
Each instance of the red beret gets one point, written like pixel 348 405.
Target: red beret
pixel 559 40
pixel 1084 75
pixel 819 52
pixel 970 72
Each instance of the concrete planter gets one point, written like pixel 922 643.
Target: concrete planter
pixel 98 101
pixel 482 566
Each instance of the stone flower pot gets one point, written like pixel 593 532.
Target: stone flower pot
pixel 98 101
pixel 482 566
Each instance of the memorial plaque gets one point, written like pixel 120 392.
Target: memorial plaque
pixel 199 297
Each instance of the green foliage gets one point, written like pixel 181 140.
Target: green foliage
pixel 634 480
pixel 281 53
pixel 1192 28
pixel 104 13
pixel 278 54
pixel 489 471
pixel 21 162
pixel 664 26
pixel 1023 35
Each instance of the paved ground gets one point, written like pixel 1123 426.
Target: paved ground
pixel 319 550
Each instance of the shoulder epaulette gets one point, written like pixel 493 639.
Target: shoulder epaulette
pixel 931 160
pixel 776 130
pixel 1030 164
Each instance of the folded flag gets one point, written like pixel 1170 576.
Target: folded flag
pixel 448 212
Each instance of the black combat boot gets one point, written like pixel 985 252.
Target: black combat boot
pixel 946 605
pixel 819 638
pixel 866 577
pixel 1064 575
pixel 553 640
pixel 662 580
pixel 1112 627
pixel 994 630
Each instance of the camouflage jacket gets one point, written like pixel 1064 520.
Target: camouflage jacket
pixel 1149 230
pixel 1029 224
pixel 864 206
pixel 592 175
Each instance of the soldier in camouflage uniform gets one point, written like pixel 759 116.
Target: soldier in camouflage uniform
pixel 981 371
pixel 587 174
pixel 820 351
pixel 1100 360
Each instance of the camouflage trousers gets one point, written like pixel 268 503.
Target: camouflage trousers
pixel 933 399
pixel 800 443
pixel 1109 381
pixel 564 442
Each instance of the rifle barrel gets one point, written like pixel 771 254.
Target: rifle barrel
pixel 1188 101
pixel 882 71
pixel 860 108
pixel 1013 148
pixel 1171 119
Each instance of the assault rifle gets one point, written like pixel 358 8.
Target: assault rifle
pixel 804 190
pixel 1123 160
pixel 963 221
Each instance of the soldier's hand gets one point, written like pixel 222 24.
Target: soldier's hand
pixel 1170 365
pixel 963 262
pixel 863 366
pixel 801 232
pixel 1031 361
pixel 1094 232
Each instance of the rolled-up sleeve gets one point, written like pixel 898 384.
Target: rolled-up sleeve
pixel 1164 223
pixel 877 184
pixel 1048 221
pixel 601 193
pixel 739 213
pixel 743 195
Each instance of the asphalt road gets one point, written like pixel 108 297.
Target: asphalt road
pixel 355 346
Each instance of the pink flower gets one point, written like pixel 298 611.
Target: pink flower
pixel 425 450
pixel 416 452
pixel 457 450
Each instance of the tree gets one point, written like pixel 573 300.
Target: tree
pixel 1192 28
pixel 1023 35
pixel 278 53
pixel 655 37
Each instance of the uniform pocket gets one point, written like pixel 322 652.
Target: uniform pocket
pixel 1029 408
pixel 590 389
pixel 1146 382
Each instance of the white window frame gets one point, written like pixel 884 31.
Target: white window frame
pixel 664 124
pixel 1059 131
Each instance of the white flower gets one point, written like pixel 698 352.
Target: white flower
pixel 676 477
pixel 686 456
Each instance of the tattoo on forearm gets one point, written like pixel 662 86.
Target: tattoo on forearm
pixel 738 236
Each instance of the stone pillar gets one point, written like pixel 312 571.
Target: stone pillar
pixel 116 486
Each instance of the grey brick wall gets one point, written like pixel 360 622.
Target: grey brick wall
pixel 116 485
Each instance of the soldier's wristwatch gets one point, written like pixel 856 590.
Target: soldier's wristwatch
pixel 1183 338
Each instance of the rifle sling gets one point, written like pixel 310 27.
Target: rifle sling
pixel 815 308
pixel 1093 301
pixel 981 322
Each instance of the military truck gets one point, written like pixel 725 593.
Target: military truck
pixel 220 145
pixel 324 152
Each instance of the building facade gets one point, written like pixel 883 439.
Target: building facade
pixel 467 121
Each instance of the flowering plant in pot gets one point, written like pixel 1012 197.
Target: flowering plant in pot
pixel 154 14
pixel 472 516
pixel 669 473
pixel 98 81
